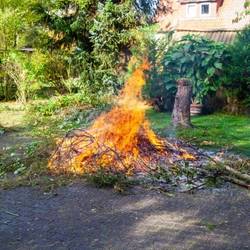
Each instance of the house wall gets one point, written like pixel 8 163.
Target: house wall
pixel 183 12
pixel 221 19
pixel 228 12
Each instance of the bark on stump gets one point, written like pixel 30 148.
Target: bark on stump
pixel 181 111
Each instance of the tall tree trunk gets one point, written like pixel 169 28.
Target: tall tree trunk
pixel 181 111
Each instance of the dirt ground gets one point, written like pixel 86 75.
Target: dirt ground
pixel 13 123
pixel 82 217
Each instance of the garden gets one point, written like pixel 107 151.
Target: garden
pixel 94 104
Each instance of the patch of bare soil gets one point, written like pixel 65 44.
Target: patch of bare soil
pixel 13 139
pixel 84 217
pixel 12 134
pixel 11 119
pixel 11 125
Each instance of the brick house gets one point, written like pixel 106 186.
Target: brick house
pixel 211 18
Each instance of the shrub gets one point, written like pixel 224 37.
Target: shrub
pixel 14 67
pixel 198 59
pixel 104 178
pixel 193 57
pixel 236 80
pixel 157 89
pixel 86 41
pixel 55 104
pixel 23 75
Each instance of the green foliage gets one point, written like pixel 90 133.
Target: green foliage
pixel 210 226
pixel 104 178
pixel 236 80
pixel 79 44
pixel 87 39
pixel 18 160
pixel 14 68
pixel 15 23
pixel 56 70
pixel 53 105
pixel 158 88
pixel 23 74
pixel 65 23
pixel 160 173
pixel 110 34
pixel 198 59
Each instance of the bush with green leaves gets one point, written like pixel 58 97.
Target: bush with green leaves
pixel 87 40
pixel 55 104
pixel 193 57
pixel 24 74
pixel 110 34
pixel 15 24
pixel 106 178
pixel 198 59
pixel 236 80
pixel 156 88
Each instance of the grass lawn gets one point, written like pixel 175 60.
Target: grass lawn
pixel 214 131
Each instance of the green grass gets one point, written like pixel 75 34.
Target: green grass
pixel 214 131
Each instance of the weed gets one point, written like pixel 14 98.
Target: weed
pixel 213 181
pixel 54 105
pixel 104 178
pixel 209 225
pixel 160 173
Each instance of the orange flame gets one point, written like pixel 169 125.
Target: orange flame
pixel 121 132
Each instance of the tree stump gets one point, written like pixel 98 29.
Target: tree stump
pixel 181 111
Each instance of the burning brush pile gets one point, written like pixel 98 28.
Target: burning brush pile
pixel 120 140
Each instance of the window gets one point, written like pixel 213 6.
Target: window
pixel 191 10
pixel 205 9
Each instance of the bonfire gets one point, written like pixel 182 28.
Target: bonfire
pixel 120 140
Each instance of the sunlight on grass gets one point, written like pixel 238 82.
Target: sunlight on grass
pixel 212 131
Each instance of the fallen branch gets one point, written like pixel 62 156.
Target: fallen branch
pixel 245 177
pixel 236 181
pixel 193 188
pixel 224 167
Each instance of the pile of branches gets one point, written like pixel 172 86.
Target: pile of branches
pixel 149 155
pixel 170 153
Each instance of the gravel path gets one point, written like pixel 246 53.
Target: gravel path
pixel 84 217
